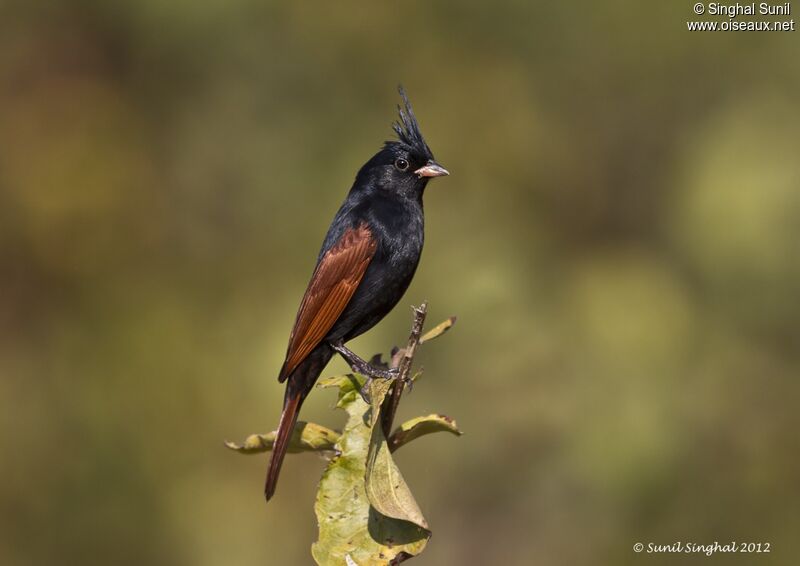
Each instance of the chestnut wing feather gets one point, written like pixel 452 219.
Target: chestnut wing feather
pixel 335 280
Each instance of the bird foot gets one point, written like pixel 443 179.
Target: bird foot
pixel 409 380
pixel 363 367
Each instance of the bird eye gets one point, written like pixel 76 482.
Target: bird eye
pixel 401 164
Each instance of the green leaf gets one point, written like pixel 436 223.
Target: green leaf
pixel 306 437
pixel 420 426
pixel 351 530
pixel 349 387
pixel 386 489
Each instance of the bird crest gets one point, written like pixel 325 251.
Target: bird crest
pixel 407 128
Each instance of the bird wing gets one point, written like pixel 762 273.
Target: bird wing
pixel 335 279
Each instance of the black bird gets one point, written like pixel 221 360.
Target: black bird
pixel 366 263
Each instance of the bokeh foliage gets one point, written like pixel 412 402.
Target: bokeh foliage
pixel 619 237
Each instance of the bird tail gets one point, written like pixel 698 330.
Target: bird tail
pixel 291 408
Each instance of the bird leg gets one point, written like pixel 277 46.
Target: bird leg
pixel 360 365
pixel 363 367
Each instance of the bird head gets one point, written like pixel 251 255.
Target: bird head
pixel 405 165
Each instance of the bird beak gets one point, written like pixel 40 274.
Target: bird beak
pixel 431 169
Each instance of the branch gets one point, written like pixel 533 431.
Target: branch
pixel 365 510
pixel 403 360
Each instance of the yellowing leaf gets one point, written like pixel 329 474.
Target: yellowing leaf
pixel 350 529
pixel 438 330
pixel 421 426
pixel 307 437
pixel 386 489
pixel 349 387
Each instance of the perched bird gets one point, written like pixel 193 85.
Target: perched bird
pixel 366 263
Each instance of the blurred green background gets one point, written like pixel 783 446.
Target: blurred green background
pixel 619 238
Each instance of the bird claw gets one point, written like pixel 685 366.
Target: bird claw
pixel 408 380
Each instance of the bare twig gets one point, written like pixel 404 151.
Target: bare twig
pixel 402 359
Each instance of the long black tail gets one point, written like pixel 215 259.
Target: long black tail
pixel 291 408
pixel 298 386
